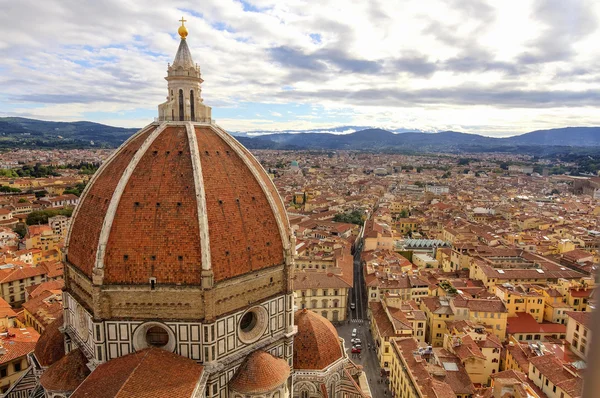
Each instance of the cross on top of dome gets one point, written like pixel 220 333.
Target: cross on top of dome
pixel 183 32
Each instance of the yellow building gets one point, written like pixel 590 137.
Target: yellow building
pixel 13 282
pixel 387 323
pixel 378 236
pixel 520 298
pixel 554 378
pixel 42 237
pixel 438 311
pixel 406 225
pixel 409 376
pixel 329 300
pixel 491 314
pixel 554 306
pixel 579 333
pixel 444 258
pixel 478 350
pixel 411 311
pixel 322 282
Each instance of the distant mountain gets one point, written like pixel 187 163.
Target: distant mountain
pixel 30 133
pixel 340 130
pixel 572 136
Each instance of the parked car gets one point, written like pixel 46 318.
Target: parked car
pixel 357 346
pixel 353 332
pixel 355 341
pixel 355 350
pixel 352 306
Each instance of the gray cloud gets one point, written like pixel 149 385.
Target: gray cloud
pixel 566 22
pixel 498 96
pixel 319 60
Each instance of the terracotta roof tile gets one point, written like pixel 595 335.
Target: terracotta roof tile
pixel 51 345
pixel 155 232
pixel 67 373
pixel 150 373
pixel 85 230
pixel 18 343
pixel 317 345
pixel 260 372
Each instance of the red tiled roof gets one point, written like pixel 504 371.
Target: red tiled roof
pixel 15 274
pixel 583 317
pixel 525 323
pixel 580 292
pixel 51 345
pixel 156 233
pixel 67 373
pixel 316 345
pixel 260 372
pixel 150 373
pixel 18 343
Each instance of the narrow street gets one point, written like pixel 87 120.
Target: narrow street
pixel 359 321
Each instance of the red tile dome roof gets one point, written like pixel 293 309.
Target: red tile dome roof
pixel 67 373
pixel 175 197
pixel 317 344
pixel 149 373
pixel 51 345
pixel 261 372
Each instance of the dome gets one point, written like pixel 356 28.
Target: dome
pixel 177 199
pixel 317 344
pixel 51 344
pixel 261 372
pixel 67 373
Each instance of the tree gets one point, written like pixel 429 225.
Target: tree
pixel 21 230
pixel 446 174
pixel 353 217
pixel 23 200
pixel 7 189
pixel 403 214
pixel 10 173
pixel 40 194
pixel 41 217
pixel 463 161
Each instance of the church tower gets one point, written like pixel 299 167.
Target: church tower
pixel 184 99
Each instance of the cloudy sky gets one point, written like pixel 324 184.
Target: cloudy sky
pixel 491 67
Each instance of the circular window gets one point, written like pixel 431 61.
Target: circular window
pixel 154 334
pixel 253 324
pixel 248 322
pixel 157 337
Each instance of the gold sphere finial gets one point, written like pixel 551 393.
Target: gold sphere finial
pixel 183 32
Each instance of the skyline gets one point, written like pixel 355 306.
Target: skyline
pixel 510 69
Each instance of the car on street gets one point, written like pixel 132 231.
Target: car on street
pixel 354 332
pixel 352 306
pixel 355 341
pixel 357 346
pixel 355 350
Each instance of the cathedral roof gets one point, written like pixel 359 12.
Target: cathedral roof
pixel 67 373
pixel 150 373
pixel 261 372
pixel 51 345
pixel 317 344
pixel 175 199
